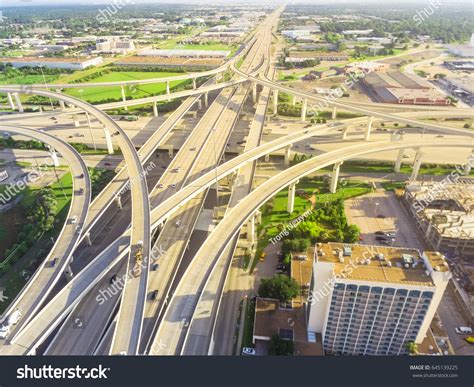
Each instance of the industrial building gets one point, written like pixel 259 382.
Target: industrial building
pixel 71 63
pixel 443 213
pixel 186 53
pixel 372 300
pixel 461 87
pixel 398 87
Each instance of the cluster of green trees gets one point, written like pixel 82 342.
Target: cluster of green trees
pixel 325 224
pixel 280 347
pixel 99 179
pixel 11 72
pixel 9 142
pixel 40 214
pixel 279 287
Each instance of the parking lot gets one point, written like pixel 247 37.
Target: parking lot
pixel 363 212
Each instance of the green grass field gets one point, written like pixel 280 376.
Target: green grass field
pixel 278 215
pixel 27 79
pixel 95 94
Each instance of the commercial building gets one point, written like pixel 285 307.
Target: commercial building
pixel 398 87
pixel 372 300
pixel 71 63
pixel 115 45
pixel 301 56
pixel 170 63
pixel 460 65
pixel 461 87
pixel 443 213
pixel 186 53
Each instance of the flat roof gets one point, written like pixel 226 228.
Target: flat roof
pixel 376 263
pixel 71 59
pixel 157 61
pixel 402 93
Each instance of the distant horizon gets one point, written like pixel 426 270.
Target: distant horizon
pixel 30 3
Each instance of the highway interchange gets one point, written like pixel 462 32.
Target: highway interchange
pixel 162 310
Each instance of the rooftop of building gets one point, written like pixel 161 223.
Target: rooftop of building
pixel 64 59
pixel 395 265
pixel 157 61
pixel 448 207
pixel 396 79
pixel 412 94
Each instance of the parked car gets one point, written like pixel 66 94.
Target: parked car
pixel 463 330
pixel 470 340
pixel 379 233
pixel 4 331
pixel 391 234
pixel 247 351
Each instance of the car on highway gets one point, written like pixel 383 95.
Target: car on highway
pixel 463 330
pixel 193 148
pixel 74 219
pixel 107 164
pixel 390 234
pixel 81 176
pixel 406 156
pixel 173 185
pixel 155 267
pixel 113 279
pixel 178 223
pixel 53 263
pixel 380 216
pixel 13 318
pixel 247 351
pixel 154 295
pixel 4 331
pixel 81 191
pixel 161 185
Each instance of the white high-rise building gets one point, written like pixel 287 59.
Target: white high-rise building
pixel 372 300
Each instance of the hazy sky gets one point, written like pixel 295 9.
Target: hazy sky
pixel 4 3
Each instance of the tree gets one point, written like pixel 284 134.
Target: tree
pixel 279 347
pixel 411 347
pixel 279 287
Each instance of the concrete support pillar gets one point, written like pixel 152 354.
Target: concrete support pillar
pixel 267 157
pixel 108 140
pixel 290 206
pixel 287 155
pixel 206 99
pixel 10 101
pixel 254 92
pixel 18 102
pixel 168 91
pixel 194 83
pixel 368 128
pixel 293 100
pixel 251 229
pixel 468 165
pixel 54 156
pixel 155 109
pixel 88 239
pixel 68 273
pixel 398 163
pixel 304 107
pixel 344 133
pixel 416 165
pixel 124 98
pixel 62 106
pixel 170 152
pixel 275 102
pixel 334 113
pixel 335 177
pixel 88 120
pixel 118 201
pixel 75 120
pixel 199 102
pixel 258 217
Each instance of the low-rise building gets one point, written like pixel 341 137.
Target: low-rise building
pixel 186 53
pixel 462 87
pixel 71 63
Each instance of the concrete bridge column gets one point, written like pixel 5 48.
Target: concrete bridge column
pixel 88 239
pixel 275 102
pixel 287 154
pixel 10 101
pixel 155 109
pixel 168 91
pixel 398 163
pixel 206 99
pixel 118 201
pixel 468 166
pixel 75 120
pixel 334 113
pixel 335 176
pixel 54 156
pixel 251 229
pixel 293 100
pixel 368 128
pixel 62 105
pixel 124 98
pixel 344 133
pixel 88 118
pixel 194 83
pixel 18 102
pixel 267 157
pixel 254 92
pixel 68 273
pixel 290 205
pixel 416 165
pixel 304 107
pixel 108 140
pixel 199 102
pixel 170 152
